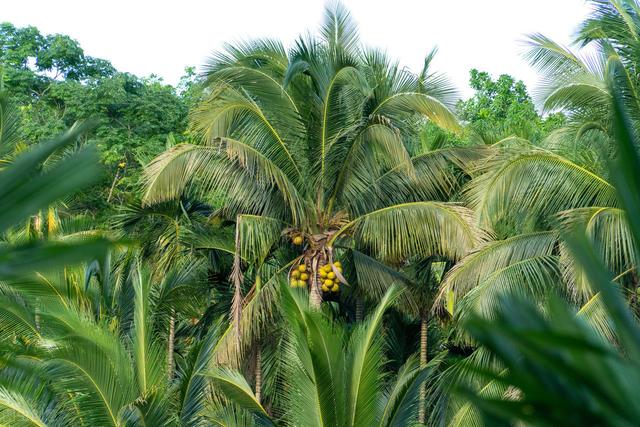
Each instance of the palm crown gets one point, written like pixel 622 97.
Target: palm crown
pixel 312 143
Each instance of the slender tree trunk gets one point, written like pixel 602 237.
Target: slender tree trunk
pixel 359 309
pixel 258 373
pixel 113 184
pixel 634 302
pixel 424 324
pixel 172 337
pixel 315 297
pixel 315 293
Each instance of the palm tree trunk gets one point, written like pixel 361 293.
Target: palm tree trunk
pixel 113 184
pixel 424 324
pixel 359 309
pixel 258 374
pixel 172 336
pixel 315 298
pixel 315 295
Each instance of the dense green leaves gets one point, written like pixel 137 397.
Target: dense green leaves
pixel 487 268
pixel 563 369
pixel 54 85
pixel 503 108
pixel 334 377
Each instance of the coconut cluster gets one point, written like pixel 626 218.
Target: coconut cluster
pixel 299 277
pixel 330 283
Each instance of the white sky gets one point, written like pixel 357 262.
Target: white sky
pixel 163 37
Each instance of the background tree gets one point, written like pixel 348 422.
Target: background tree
pixel 502 108
pixel 54 84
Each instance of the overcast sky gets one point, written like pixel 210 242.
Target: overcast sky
pixel 163 37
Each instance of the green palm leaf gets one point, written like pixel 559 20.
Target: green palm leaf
pixel 534 186
pixel 193 382
pixel 491 257
pixel 236 388
pixel 419 228
pixel 9 121
pixel 26 401
pixel 363 364
pixel 608 230
pixel 421 103
pixel 532 278
pixel 402 401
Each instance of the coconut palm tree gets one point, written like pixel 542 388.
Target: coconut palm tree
pixel 531 198
pixel 592 383
pixel 307 149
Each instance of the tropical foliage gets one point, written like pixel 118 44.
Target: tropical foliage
pixel 315 235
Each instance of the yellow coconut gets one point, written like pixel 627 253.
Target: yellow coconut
pixel 293 283
pixel 337 264
pixel 325 288
pixel 335 288
pixel 295 274
pixel 331 275
pixel 298 240
pixel 328 283
pixel 304 277
pixel 323 274
pixel 302 268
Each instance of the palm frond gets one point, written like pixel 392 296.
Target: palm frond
pixel 193 384
pixel 531 278
pixel 9 121
pixel 343 101
pixel 364 363
pixel 338 29
pixel 236 389
pixel 608 231
pixel 576 95
pixel 93 364
pixel 17 319
pixel 468 415
pixel 317 348
pixel 418 228
pixel 595 314
pixel 493 257
pixel 435 175
pixel 376 149
pixel 25 400
pixel 375 278
pixel 559 66
pixel 148 356
pixel 256 237
pixel 402 401
pixel 534 186
pixel 171 172
pixel 420 103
